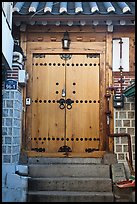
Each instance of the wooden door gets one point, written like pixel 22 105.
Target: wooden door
pixel 82 86
pixel 48 120
pixel 74 126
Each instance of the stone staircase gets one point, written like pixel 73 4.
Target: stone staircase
pixel 69 180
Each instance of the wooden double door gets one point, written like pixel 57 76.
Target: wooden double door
pixel 65 103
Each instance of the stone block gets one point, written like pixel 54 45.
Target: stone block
pixel 12 195
pixel 132 106
pixel 124 140
pixel 16 122
pixel 8 121
pixel 8 168
pixel 118 148
pixel 10 113
pixel 15 149
pixel 15 181
pixel 6 158
pixel 131 131
pixel 8 140
pixel 3 122
pixel 118 123
pixel 126 123
pixel 116 115
pixel 127 106
pixel 4 149
pixel 4 131
pixel 117 140
pixel 17 105
pixel 3 103
pixel 122 195
pixel 131 114
pixel 125 148
pixel 5 113
pixel 22 169
pixel 6 95
pixel 17 114
pixel 15 158
pixel 16 140
pixel 9 103
pixel 12 94
pixel 121 156
pixel 122 115
pixel 131 99
pixel 133 123
pixel 122 130
pixel 16 131
pixel 133 196
pixel 118 172
pixel 109 158
pixel 9 130
pixel 8 149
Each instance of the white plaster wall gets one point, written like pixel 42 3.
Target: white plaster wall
pixel 7 41
pixel 116 55
pixel 14 186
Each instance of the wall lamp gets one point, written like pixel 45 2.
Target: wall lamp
pixel 66 41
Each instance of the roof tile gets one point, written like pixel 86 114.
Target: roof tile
pixel 73 8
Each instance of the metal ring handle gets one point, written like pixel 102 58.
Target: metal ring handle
pixel 69 106
pixel 61 106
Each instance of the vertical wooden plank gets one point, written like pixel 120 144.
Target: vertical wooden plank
pixel 102 101
pixel 23 44
pixel 109 83
pixel 132 53
pixel 28 117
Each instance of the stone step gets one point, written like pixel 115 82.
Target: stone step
pixel 37 160
pixel 70 184
pixel 72 170
pixel 70 196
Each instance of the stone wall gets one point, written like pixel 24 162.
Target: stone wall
pixel 11 126
pixel 14 186
pixel 124 122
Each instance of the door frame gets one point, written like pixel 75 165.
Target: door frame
pixel 76 48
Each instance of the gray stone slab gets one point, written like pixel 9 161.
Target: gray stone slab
pixel 70 184
pixel 67 196
pixel 109 158
pixel 38 160
pixel 73 170
pixel 118 172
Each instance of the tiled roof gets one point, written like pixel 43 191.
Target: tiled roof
pixel 74 13
pixel 130 90
pixel 73 8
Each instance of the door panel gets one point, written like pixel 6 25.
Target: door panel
pixel 48 120
pixel 82 84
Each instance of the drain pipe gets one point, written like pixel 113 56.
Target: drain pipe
pixel 108 114
pixel 129 161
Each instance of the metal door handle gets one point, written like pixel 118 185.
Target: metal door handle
pixel 69 103
pixel 62 103
pixel 63 92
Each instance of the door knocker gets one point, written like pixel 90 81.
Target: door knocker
pixel 69 103
pixel 62 103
